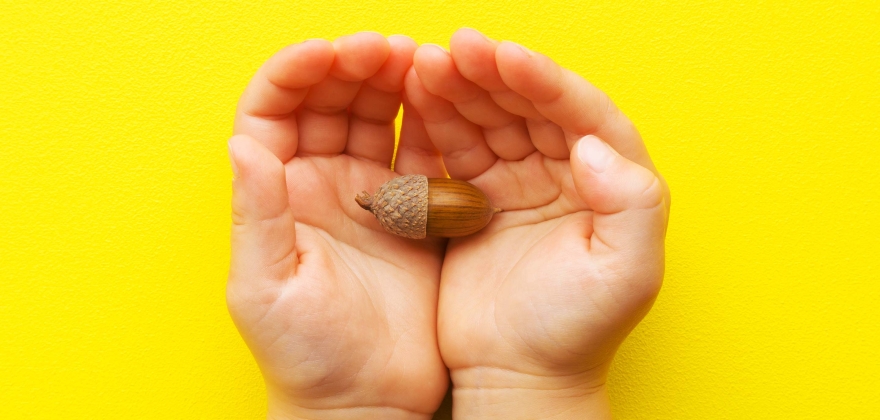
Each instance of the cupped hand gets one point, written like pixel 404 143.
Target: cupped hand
pixel 540 299
pixel 340 316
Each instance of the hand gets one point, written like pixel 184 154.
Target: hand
pixel 533 308
pixel 340 316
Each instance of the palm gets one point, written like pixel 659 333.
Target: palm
pixel 539 291
pixel 527 302
pixel 344 314
pixel 364 302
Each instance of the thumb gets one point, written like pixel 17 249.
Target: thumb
pixel 627 199
pixel 263 234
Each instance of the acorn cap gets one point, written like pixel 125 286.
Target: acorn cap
pixel 401 205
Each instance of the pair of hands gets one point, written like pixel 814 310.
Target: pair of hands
pixel 348 321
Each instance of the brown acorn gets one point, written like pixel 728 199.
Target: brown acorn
pixel 415 206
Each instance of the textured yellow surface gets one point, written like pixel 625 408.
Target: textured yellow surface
pixel 114 190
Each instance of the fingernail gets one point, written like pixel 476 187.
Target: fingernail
pixel 232 160
pixel 524 49
pixel 595 153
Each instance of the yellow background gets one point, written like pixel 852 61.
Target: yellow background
pixel 114 190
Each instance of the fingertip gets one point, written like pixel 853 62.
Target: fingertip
pixel 410 81
pixel 318 45
pixel 426 61
pixel 474 55
pixel 528 73
pixel 402 42
pixel 610 183
pixel 389 78
pixel 514 50
pixel 440 75
pixel 594 153
pixel 513 63
pixel 359 56
pixel 402 48
pixel 249 157
pixel 300 65
pixel 471 50
pixel 467 35
pixel 410 77
pixel 427 55
pixel 413 88
pixel 469 39
pixel 237 145
pixel 371 34
pixel 361 38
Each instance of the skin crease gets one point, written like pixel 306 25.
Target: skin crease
pixel 346 321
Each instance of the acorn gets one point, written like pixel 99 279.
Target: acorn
pixel 415 206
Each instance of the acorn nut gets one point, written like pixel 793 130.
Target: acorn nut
pixel 415 206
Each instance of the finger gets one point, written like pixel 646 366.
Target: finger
pixel 415 152
pixel 371 126
pixel 265 110
pixel 548 138
pixel 465 152
pixel 323 118
pixel 359 56
pixel 568 100
pixel 374 109
pixel 263 234
pixel 474 56
pixel 629 211
pixel 389 78
pixel 505 133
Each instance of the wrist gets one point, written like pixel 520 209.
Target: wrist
pixel 283 408
pixel 346 413
pixel 300 413
pixel 492 393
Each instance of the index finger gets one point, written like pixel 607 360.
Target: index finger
pixel 266 108
pixel 568 100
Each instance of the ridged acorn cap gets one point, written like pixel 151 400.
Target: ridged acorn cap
pixel 414 206
pixel 401 205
